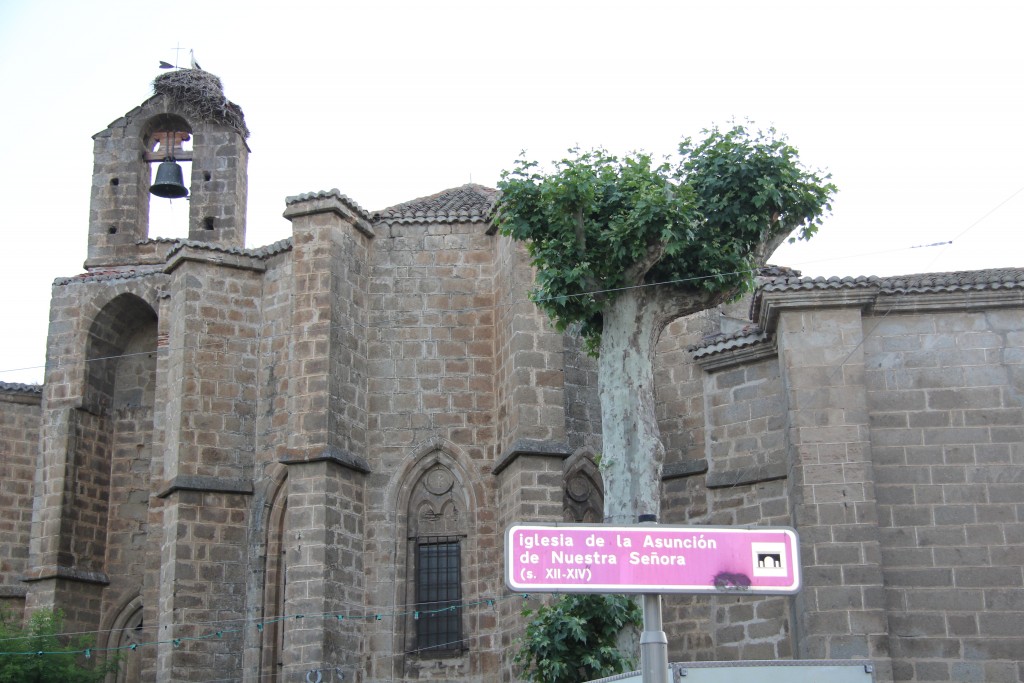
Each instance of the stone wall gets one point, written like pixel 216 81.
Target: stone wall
pixel 275 343
pixel 725 466
pixel 680 388
pixel 19 444
pixel 895 425
pixel 946 393
pixel 431 404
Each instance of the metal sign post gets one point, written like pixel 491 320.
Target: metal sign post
pixel 653 641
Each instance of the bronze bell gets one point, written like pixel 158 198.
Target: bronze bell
pixel 170 182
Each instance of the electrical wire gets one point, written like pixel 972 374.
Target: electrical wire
pixel 383 323
pixel 396 318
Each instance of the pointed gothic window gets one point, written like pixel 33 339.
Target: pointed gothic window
pixel 436 539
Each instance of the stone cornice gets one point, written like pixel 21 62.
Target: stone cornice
pixel 687 468
pixel 920 291
pixel 330 201
pixel 772 303
pixel 193 482
pixel 925 292
pixel 881 300
pixel 188 252
pixel 66 573
pixel 746 476
pixel 338 456
pixel 967 300
pixel 531 447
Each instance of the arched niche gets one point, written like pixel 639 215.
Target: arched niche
pixel 127 630
pixel 111 445
pixel 582 489
pixel 274 583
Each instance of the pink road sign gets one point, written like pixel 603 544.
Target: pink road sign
pixel 648 558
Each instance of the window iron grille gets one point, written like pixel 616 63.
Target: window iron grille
pixel 438 594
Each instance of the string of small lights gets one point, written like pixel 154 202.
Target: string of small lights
pixel 259 624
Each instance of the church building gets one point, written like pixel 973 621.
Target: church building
pixel 297 462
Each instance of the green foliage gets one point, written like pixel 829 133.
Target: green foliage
pixel 597 223
pixel 574 638
pixel 61 659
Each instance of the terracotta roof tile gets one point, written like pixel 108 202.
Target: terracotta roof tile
pixel 273 249
pixel 998 278
pixel 175 244
pixel 918 283
pixel 261 252
pixel 110 274
pixel 470 203
pixel 18 388
pixel 324 194
pixel 716 343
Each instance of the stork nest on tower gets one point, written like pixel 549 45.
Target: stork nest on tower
pixel 200 96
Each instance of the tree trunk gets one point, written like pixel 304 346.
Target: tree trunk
pixel 632 452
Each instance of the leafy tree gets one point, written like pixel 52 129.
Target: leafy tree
pixel 60 659
pixel 622 247
pixel 574 638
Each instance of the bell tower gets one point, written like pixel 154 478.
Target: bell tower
pixel 188 107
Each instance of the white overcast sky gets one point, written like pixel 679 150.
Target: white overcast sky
pixel 917 109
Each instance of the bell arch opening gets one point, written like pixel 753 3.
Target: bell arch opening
pixel 168 152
